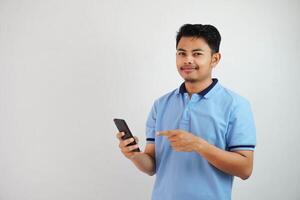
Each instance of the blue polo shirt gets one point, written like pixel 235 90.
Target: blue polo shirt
pixel 218 115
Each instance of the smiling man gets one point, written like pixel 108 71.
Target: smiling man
pixel 200 135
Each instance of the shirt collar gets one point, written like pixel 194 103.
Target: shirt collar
pixel 203 93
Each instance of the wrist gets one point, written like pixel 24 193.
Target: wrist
pixel 199 143
pixel 136 156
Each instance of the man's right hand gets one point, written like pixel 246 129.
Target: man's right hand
pixel 127 150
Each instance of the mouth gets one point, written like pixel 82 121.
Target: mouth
pixel 189 69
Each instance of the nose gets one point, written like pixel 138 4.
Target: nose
pixel 188 60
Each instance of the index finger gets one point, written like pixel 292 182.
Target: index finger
pixel 167 133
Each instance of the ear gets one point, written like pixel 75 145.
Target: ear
pixel 216 57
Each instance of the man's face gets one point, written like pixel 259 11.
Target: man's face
pixel 194 59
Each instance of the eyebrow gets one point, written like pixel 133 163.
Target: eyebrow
pixel 180 49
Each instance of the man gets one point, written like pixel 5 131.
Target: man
pixel 200 135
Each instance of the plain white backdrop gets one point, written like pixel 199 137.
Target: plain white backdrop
pixel 67 68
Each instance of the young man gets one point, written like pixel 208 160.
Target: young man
pixel 200 135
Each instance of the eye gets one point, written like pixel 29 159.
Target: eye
pixel 181 53
pixel 197 54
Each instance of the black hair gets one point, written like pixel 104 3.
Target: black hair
pixel 207 32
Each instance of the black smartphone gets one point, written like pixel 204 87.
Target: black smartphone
pixel 122 127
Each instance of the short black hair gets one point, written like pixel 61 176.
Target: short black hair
pixel 207 32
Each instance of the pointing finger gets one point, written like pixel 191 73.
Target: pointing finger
pixel 167 133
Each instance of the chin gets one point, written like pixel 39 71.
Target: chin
pixel 191 80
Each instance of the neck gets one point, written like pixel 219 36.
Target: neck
pixel 196 87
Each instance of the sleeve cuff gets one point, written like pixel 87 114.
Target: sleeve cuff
pixel 241 147
pixel 150 140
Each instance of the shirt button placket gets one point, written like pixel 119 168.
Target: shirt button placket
pixel 184 124
pixel 185 121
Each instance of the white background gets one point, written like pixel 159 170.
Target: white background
pixel 67 67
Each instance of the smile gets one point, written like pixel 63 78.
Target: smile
pixel 188 69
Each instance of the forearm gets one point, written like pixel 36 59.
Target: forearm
pixel 232 163
pixel 145 163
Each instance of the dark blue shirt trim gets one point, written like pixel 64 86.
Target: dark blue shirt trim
pixel 150 139
pixel 238 146
pixel 182 88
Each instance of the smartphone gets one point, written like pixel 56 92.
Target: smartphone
pixel 122 127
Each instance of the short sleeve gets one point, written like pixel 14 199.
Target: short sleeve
pixel 241 133
pixel 150 124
